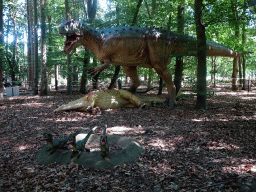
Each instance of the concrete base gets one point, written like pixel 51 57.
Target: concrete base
pixel 122 150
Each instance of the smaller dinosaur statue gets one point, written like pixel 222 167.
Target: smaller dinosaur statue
pixel 79 146
pixel 54 144
pixel 104 146
pixel 105 99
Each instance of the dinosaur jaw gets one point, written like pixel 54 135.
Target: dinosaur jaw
pixel 72 42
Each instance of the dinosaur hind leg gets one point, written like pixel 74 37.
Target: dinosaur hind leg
pixel 167 77
pixel 132 73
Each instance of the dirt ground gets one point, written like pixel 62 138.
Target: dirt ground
pixel 185 149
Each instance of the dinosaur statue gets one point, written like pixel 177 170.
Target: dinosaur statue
pixel 131 46
pixel 104 146
pixel 108 99
pixel 54 144
pixel 79 146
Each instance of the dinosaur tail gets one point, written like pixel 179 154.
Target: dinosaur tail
pixel 187 46
pixel 215 49
pixel 79 104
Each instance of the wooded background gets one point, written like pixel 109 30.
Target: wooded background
pixel 32 49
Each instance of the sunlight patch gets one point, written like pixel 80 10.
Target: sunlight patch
pixel 240 169
pixel 161 144
pixel 120 130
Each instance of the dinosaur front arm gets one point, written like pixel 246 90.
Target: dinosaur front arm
pixel 100 68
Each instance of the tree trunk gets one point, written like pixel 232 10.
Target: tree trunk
pixel 234 75
pixel 160 90
pixel 69 67
pixel 150 77
pixel 240 71
pixel 1 48
pixel 235 61
pixel 56 76
pixel 201 54
pixel 84 74
pixel 213 71
pixel 35 49
pixel 14 45
pixel 244 81
pixel 29 43
pixel 43 87
pixel 136 12
pixel 179 60
pixel 115 76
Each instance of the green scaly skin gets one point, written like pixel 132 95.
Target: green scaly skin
pixel 54 144
pixel 79 146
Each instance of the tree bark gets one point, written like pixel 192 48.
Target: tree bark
pixel 179 60
pixel 136 12
pixel 13 62
pixel 43 87
pixel 1 48
pixel 160 90
pixel 244 81
pixel 69 67
pixel 234 75
pixel 235 61
pixel 35 48
pixel 29 43
pixel 115 76
pixel 201 54
pixel 84 74
pixel 213 71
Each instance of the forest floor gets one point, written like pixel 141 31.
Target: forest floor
pixel 185 149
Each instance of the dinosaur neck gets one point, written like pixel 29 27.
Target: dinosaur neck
pixel 93 40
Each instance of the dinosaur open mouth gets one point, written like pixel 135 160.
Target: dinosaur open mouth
pixel 71 41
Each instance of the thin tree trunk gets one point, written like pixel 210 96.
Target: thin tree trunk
pixel 240 71
pixel 36 49
pixel 160 86
pixel 179 60
pixel 69 68
pixel 29 42
pixel 14 46
pixel 244 81
pixel 43 87
pixel 234 75
pixel 213 71
pixel 235 61
pixel 84 74
pixel 201 54
pixel 1 49
pixel 136 12
pixel 56 76
pixel 115 76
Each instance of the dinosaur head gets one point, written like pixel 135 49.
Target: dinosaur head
pixel 103 140
pixel 71 139
pixel 47 137
pixel 73 30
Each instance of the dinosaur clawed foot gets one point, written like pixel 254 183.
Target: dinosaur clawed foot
pixel 93 71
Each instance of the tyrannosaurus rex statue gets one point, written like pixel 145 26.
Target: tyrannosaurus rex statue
pixel 130 47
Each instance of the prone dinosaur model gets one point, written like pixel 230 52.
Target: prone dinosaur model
pixel 131 46
pixel 108 99
pixel 54 144
pixel 104 146
pixel 79 146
